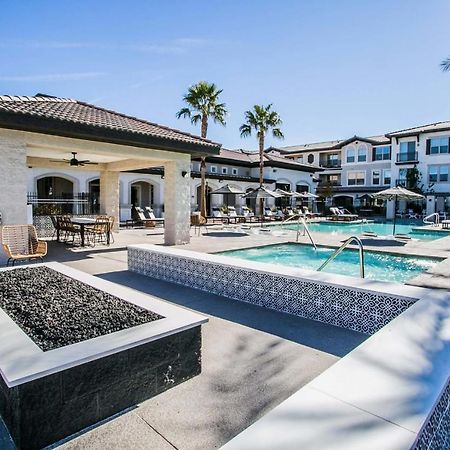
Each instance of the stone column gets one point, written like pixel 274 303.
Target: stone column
pixel 177 201
pixel 109 195
pixel 431 204
pixel 13 181
pixel 390 213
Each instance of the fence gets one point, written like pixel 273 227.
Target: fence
pixel 79 204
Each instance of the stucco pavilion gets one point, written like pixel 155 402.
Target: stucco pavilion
pixel 41 131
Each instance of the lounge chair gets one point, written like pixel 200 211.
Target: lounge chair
pixel 308 213
pixel 247 213
pixel 20 242
pixel 412 214
pixel 269 214
pixel 342 215
pixel 150 215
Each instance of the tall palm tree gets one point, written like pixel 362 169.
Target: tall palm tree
pixel 261 119
pixel 203 103
pixel 445 64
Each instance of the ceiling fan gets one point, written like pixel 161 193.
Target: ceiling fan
pixel 74 162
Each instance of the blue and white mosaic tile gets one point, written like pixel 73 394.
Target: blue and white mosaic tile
pixel 348 307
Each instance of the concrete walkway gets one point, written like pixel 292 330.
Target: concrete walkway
pixel 253 359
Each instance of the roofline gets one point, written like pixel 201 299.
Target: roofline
pixel 409 131
pixel 56 127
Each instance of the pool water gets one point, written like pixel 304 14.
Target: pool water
pixel 378 266
pixel 380 228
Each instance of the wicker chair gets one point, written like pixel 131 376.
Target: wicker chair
pixel 20 242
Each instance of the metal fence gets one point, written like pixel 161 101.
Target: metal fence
pixel 77 204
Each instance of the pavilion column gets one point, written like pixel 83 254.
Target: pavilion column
pixel 110 195
pixel 177 199
pixel 13 181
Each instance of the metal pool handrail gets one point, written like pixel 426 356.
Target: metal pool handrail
pixel 342 247
pixel 434 222
pixel 300 220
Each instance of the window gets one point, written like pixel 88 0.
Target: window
pixel 407 151
pixel 351 155
pixel 300 159
pixel 356 178
pixel 310 158
pixel 224 170
pixel 438 145
pixel 213 169
pixel 438 174
pixel 234 171
pixel 376 174
pixel 362 153
pixel 433 174
pixel 382 153
pixel 387 176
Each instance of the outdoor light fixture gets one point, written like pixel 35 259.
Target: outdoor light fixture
pixel 185 174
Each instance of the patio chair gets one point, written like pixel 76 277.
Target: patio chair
pixel 247 213
pixel 98 233
pixel 150 215
pixel 412 214
pixel 68 228
pixel 269 214
pixel 197 221
pixel 20 242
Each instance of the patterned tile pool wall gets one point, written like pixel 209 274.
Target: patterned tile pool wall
pixel 356 309
pixel 435 434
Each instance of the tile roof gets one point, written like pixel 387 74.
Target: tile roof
pixel 49 112
pixel 438 126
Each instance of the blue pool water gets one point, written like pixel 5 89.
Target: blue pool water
pixel 380 228
pixel 378 266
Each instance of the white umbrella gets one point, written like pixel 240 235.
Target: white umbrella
pixel 261 193
pixel 227 190
pixel 397 193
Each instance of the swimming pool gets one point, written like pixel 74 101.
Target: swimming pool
pixel 378 266
pixel 409 228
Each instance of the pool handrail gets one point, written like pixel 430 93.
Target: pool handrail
pixel 300 220
pixel 435 222
pixel 342 247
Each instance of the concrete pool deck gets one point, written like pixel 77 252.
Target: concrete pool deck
pixel 253 359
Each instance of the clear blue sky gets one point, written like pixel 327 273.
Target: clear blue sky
pixel 332 68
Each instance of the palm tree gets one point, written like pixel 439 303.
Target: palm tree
pixel 261 119
pixel 203 103
pixel 445 65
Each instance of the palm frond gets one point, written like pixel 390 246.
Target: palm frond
pixel 277 133
pixel 445 64
pixel 196 118
pixel 184 112
pixel 246 130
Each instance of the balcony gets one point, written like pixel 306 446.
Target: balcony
pixel 407 158
pixel 331 164
pixel 403 182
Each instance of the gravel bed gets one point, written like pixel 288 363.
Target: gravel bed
pixel 55 310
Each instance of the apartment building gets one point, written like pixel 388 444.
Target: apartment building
pixel 359 165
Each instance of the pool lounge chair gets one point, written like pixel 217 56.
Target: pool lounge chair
pixel 248 214
pixel 342 215
pixel 269 214
pixel 150 215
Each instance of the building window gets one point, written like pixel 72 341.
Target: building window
pixel 350 155
pixel 407 151
pixel 438 145
pixel 362 153
pixel 387 176
pixel 438 174
pixel 356 178
pixel 376 174
pixel 234 171
pixel 300 159
pixel 310 158
pixel 224 170
pixel 382 153
pixel 213 169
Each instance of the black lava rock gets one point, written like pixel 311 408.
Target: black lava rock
pixel 55 310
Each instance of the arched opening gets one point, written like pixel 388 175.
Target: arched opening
pixel 208 198
pixel 142 194
pixel 283 202
pixel 94 196
pixel 54 188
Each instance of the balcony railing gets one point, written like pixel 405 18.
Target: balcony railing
pixel 334 164
pixel 403 182
pixel 407 157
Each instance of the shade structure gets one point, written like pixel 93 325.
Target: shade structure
pixel 397 193
pixel 261 193
pixel 227 189
pixel 305 195
pixel 284 193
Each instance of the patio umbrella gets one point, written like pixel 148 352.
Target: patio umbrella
pixel 227 190
pixel 261 193
pixel 397 193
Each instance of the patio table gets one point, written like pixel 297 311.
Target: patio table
pixel 82 222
